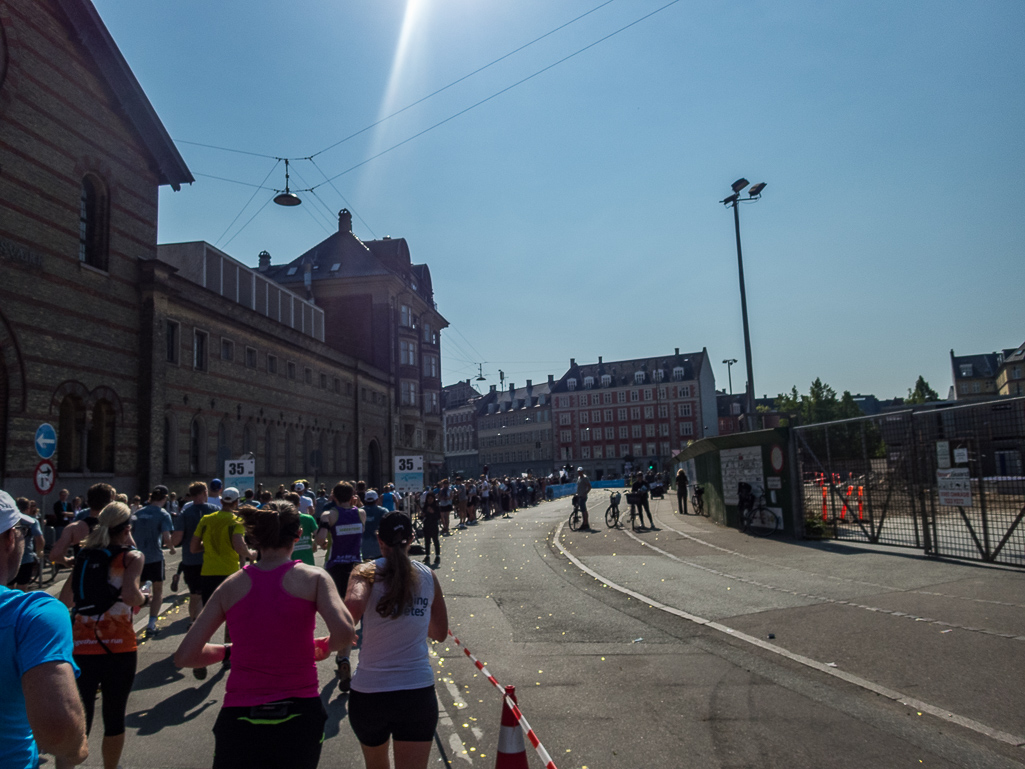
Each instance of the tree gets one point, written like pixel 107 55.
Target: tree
pixel 922 393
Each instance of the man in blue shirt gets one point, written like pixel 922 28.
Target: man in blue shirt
pixel 40 709
pixel 388 499
pixel 152 525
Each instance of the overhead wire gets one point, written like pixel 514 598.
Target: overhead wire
pixel 255 193
pixel 247 223
pixel 348 205
pixel 498 93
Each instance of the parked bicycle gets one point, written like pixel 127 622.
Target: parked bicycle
pixel 613 514
pixel 576 517
pixel 755 517
pixel 697 500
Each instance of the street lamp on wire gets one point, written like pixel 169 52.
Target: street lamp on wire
pixel 753 193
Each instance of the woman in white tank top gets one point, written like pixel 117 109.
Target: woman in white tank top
pixel 401 605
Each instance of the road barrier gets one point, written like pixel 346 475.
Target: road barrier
pixel 510 703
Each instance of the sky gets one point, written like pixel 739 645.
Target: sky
pixel 566 197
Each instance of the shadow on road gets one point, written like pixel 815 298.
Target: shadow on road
pixel 337 709
pixel 177 709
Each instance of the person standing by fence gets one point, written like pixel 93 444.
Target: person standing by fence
pixel 681 491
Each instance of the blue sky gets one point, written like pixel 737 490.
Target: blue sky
pixel 575 215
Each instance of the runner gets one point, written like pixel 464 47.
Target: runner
pixel 400 604
pixel 219 537
pixel 151 526
pixel 105 645
pixel 305 547
pixel 191 565
pixel 445 505
pixel 344 520
pixel 272 715
pixel 98 497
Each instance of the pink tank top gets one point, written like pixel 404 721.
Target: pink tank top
pixel 272 642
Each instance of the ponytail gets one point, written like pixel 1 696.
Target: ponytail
pixel 398 579
pixel 112 520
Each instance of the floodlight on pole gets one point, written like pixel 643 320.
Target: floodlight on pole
pixel 732 201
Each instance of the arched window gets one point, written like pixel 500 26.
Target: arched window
pixel 197 446
pixel 71 436
pixel 93 223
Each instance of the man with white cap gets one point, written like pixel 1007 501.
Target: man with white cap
pixel 40 710
pixel 305 503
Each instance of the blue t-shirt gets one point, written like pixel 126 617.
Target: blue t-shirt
pixel 148 523
pixel 187 521
pixel 374 513
pixel 388 503
pixel 35 628
pixel 29 556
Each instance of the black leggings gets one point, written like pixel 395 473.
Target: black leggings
pixel 115 674
pixel 431 535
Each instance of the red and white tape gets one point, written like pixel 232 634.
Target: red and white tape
pixel 517 713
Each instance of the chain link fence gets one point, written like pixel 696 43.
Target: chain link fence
pixel 947 480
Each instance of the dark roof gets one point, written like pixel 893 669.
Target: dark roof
pixel 459 394
pixel 1015 356
pixel 93 34
pixel 513 398
pixel 622 371
pixel 984 365
pixel 725 401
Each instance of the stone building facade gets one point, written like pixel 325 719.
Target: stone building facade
pixel 514 429
pixel 459 404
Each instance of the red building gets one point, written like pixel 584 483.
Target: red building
pixel 610 418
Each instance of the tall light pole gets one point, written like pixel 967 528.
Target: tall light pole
pixel 753 193
pixel 729 371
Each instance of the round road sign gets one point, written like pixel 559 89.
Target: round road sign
pixel 45 477
pixel 46 441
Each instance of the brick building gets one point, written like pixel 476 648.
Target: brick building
pixel 153 365
pixel 83 157
pixel 379 307
pixel 612 417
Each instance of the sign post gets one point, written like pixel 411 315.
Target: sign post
pixel 409 474
pixel 240 473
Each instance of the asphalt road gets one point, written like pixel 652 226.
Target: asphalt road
pixel 654 650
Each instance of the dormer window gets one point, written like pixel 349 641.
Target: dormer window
pixel 571 384
pixel 966 369
pixel 606 380
pixel 588 382
pixel 657 374
pixel 639 377
pixel 336 267
pixel 293 270
pixel 678 374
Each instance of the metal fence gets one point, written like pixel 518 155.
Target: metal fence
pixel 947 480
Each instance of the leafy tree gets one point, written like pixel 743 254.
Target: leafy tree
pixel 922 393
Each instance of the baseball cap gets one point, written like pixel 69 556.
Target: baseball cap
pixel 216 484
pixel 230 494
pixel 159 492
pixel 370 496
pixel 9 514
pixel 580 469
pixel 396 529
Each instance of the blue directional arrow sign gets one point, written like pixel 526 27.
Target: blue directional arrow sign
pixel 46 441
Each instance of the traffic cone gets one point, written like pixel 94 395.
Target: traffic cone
pixel 512 751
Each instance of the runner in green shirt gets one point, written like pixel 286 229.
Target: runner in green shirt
pixel 305 547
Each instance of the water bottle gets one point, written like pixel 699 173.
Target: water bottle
pixel 147 588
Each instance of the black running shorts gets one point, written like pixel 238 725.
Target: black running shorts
pixel 407 715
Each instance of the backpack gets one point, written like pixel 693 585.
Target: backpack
pixel 93 594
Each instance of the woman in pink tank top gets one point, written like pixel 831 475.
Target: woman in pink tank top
pixel 272 714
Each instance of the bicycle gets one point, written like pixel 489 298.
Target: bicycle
pixel 755 517
pixel 697 500
pixel 575 517
pixel 612 511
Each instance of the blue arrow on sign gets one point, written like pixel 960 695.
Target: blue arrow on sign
pixel 46 441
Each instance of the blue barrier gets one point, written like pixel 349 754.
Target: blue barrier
pixel 569 489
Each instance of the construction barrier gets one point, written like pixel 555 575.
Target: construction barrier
pixel 509 702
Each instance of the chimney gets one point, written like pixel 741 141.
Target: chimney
pixel 551 379
pixel 344 220
pixel 599 360
pixel 512 387
pixel 677 350
pixel 572 362
pixel 264 261
pixel 529 385
pixel 493 387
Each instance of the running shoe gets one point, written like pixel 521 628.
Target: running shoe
pixel 199 673
pixel 174 582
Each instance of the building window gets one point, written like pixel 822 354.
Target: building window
pixel 338 386
pixel 595 416
pixel 408 393
pixel 635 412
pixel 663 411
pixel 308 375
pixel 683 392
pixel 651 450
pixel 250 357
pixel 101 439
pixel 966 369
pixel 170 447
pixel 678 374
pixel 649 412
pixel 199 350
pixel 583 417
pixel 624 431
pixel 197 446
pixel 635 395
pixel 635 431
pixel 638 377
pixel 610 451
pixel 431 366
pixel 406 316
pixel 565 419
pixel 428 333
pixel 624 449
pixel 621 413
pixel 571 384
pixel 290 370
pixel 684 409
pixel 272 364
pixel 637 450
pixel 407 353
pixel 585 452
pixel 227 349
pixel 565 436
pixel 663 430
pixel 608 415
pixel 657 374
pixel 93 223
pixel 610 433
pixel 663 392
pixel 976 387
pixel 588 382
pixel 172 336
pixel 431 403
pixel 71 436
pixel 648 395
pixel 248 439
pixel 649 431
pixel 606 380
pixel 621 397
pixel 686 428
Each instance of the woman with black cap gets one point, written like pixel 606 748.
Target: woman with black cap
pixel 401 605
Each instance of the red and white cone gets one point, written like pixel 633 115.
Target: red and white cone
pixel 512 751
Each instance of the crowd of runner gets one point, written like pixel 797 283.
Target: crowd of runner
pixel 248 563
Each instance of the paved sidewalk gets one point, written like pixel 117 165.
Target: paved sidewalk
pixel 947 633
